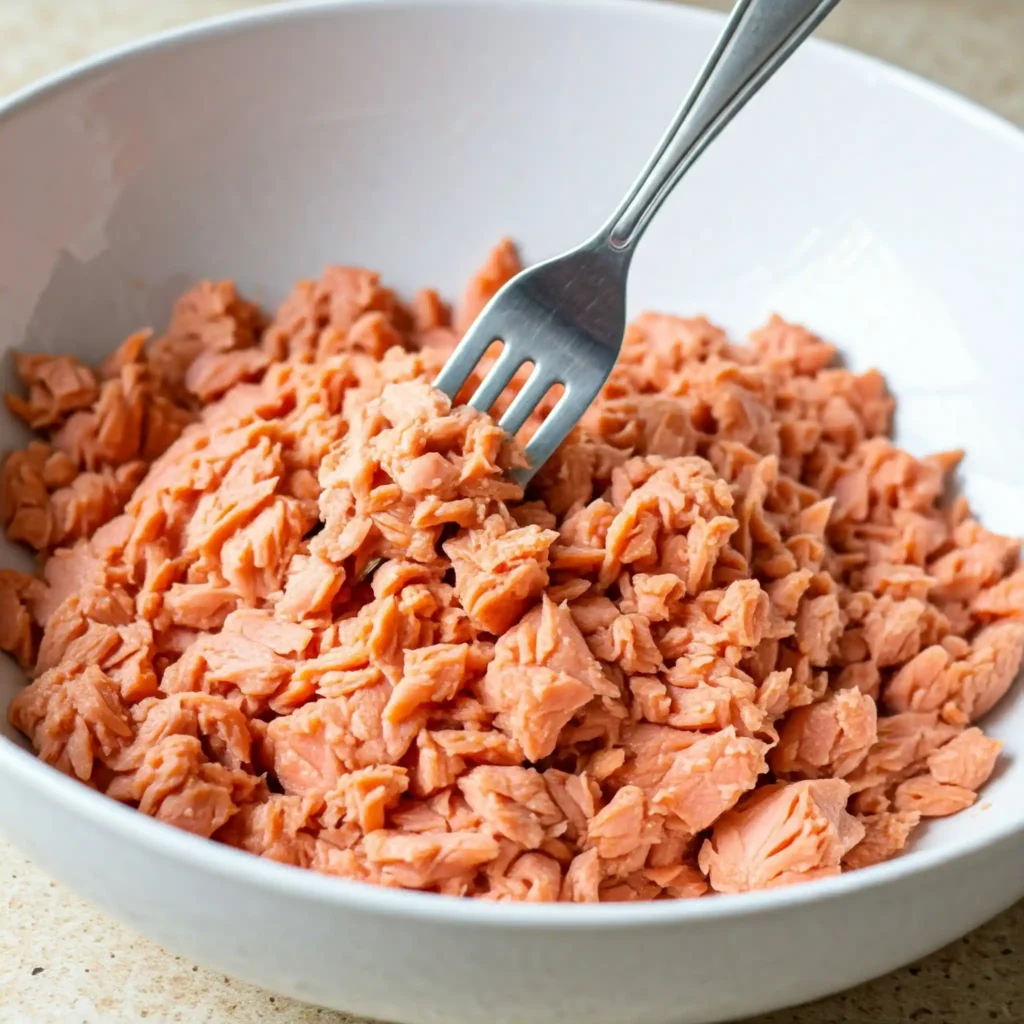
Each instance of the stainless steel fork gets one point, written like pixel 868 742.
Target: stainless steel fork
pixel 567 315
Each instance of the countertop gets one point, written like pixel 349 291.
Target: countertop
pixel 61 960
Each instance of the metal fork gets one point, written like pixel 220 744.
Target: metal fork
pixel 567 316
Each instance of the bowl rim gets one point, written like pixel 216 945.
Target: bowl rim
pixel 237 866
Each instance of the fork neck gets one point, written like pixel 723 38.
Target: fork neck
pixel 614 256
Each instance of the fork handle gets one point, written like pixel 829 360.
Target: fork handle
pixel 758 38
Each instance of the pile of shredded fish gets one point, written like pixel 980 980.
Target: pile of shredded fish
pixel 289 599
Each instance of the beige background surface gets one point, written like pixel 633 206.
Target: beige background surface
pixel 63 961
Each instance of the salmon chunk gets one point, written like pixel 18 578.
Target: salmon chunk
pixel 827 739
pixel 16 627
pixel 176 784
pixel 966 760
pixel 885 835
pixel 706 779
pixel 365 796
pixel 311 748
pixel 421 860
pixel 542 674
pixel 513 802
pixel 786 833
pixel 499 572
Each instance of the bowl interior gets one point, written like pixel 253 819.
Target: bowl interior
pixel 409 136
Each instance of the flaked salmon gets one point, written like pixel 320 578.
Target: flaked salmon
pixel 289 598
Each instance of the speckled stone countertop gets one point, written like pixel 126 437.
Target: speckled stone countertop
pixel 63 961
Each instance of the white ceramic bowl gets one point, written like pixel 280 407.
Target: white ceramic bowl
pixel 408 136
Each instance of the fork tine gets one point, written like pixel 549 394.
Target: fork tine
pixel 497 379
pixel 526 401
pixel 551 433
pixel 463 360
